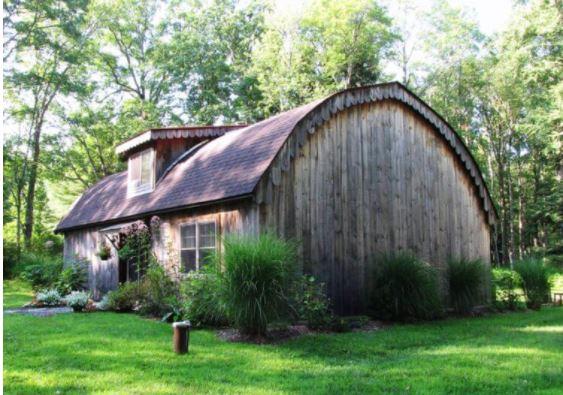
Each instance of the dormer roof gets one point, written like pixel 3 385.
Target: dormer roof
pixel 174 132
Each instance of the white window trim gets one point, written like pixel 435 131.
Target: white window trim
pixel 131 192
pixel 197 247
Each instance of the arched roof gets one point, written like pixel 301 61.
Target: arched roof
pixel 232 165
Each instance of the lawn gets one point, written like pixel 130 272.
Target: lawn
pixel 109 353
pixel 16 293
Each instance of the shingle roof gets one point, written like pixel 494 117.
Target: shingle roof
pixel 231 166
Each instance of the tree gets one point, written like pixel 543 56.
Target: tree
pixel 55 36
pixel 208 57
pixel 334 45
pixel 130 56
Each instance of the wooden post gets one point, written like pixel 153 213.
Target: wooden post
pixel 181 337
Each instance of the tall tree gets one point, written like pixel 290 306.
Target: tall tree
pixel 45 64
pixel 209 53
pixel 334 45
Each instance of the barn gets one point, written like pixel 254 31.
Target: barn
pixel 364 171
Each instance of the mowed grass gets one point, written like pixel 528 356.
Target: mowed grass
pixel 16 293
pixel 123 353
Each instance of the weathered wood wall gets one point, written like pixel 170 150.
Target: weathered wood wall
pixel 374 178
pixel 168 150
pixel 241 217
pixel 84 245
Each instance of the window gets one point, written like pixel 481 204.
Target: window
pixel 197 242
pixel 141 173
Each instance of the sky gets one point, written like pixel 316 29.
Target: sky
pixel 492 15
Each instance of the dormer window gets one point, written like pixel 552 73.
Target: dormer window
pixel 141 173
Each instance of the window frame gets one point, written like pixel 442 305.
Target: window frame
pixel 197 248
pixel 146 188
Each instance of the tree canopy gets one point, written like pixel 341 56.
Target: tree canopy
pixel 82 75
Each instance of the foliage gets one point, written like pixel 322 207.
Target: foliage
pixel 103 304
pixel 104 252
pixel 49 297
pixel 258 272
pixel 9 259
pixel 136 246
pixel 311 303
pixel 158 292
pixel 125 298
pixel 330 46
pixel 204 302
pixel 505 283
pixel 73 278
pixel 465 284
pixel 77 300
pixel 535 281
pixel 404 289
pixel 41 271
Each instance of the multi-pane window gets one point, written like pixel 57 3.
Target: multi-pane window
pixel 141 172
pixel 197 242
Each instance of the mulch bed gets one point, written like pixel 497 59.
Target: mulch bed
pixel 279 335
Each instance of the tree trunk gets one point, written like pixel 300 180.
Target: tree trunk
pixel 30 198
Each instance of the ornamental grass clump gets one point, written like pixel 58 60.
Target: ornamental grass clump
pixel 465 282
pixel 535 281
pixel 258 274
pixel 404 289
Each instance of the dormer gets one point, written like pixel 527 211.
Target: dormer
pixel 149 154
pixel 141 172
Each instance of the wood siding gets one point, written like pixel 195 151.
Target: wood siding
pixel 241 217
pixel 374 178
pixel 84 245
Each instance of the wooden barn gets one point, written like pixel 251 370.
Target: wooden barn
pixel 364 171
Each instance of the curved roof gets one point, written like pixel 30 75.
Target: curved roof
pixel 231 166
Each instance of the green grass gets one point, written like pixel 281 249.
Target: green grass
pixel 557 285
pixel 16 293
pixel 123 353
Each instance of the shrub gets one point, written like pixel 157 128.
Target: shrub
pixel 103 304
pixel 41 271
pixel 202 292
pixel 9 259
pixel 506 283
pixel 404 288
pixel 157 292
pixel 258 271
pixel 535 281
pixel 49 297
pixel 78 300
pixel 73 278
pixel 311 303
pixel 465 282
pixel 124 298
